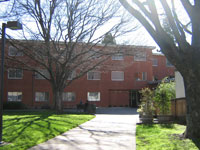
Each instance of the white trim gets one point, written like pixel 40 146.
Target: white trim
pixel 93 100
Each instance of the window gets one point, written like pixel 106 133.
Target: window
pixel 42 71
pixel 117 76
pixel 93 96
pixel 140 56
pixel 41 96
pixel 15 73
pixel 141 76
pixel 94 75
pixel 14 96
pixel 72 75
pixel 118 57
pixel 168 64
pixel 94 54
pixel 154 62
pixel 69 96
pixel 13 51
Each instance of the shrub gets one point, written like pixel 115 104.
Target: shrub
pixel 146 106
pixel 163 95
pixel 14 105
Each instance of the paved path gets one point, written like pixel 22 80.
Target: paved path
pixel 112 129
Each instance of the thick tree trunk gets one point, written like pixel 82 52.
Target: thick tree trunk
pixel 192 91
pixel 57 99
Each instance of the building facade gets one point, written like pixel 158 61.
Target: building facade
pixel 113 87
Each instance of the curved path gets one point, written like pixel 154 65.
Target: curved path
pixel 112 129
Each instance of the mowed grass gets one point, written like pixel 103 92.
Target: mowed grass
pixel 163 137
pixel 26 129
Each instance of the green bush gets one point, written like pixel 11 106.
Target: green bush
pixel 13 105
pixel 163 95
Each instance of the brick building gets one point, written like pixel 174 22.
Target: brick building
pixel 112 87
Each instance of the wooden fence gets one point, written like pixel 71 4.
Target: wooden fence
pixel 178 109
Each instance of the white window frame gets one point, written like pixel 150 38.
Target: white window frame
pixel 72 75
pixel 42 71
pixel 14 69
pixel 114 79
pixel 17 95
pixel 140 56
pixel 94 75
pixel 44 94
pixel 154 62
pixel 92 98
pixel 144 76
pixel 118 56
pixel 17 53
pixel 168 64
pixel 69 96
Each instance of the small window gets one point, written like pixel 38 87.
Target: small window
pixel 140 56
pixel 41 96
pixel 14 96
pixel 69 96
pixel 154 62
pixel 118 57
pixel 93 96
pixel 117 76
pixel 43 72
pixel 15 73
pixel 13 51
pixel 94 75
pixel 168 64
pixel 141 76
pixel 72 75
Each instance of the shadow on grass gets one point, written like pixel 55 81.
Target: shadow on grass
pixel 196 142
pixel 169 126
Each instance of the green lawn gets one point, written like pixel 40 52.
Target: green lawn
pixel 26 129
pixel 163 137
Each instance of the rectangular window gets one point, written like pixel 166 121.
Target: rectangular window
pixel 72 75
pixel 14 96
pixel 93 96
pixel 154 62
pixel 117 76
pixel 69 96
pixel 94 75
pixel 140 56
pixel 168 64
pixel 15 73
pixel 141 76
pixel 13 51
pixel 118 57
pixel 43 72
pixel 41 96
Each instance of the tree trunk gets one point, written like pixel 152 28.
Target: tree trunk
pixel 57 99
pixel 192 91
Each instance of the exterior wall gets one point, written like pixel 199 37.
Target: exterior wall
pixel 180 90
pixel 162 70
pixel 112 93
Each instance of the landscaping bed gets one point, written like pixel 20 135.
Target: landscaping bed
pixel 26 129
pixel 163 137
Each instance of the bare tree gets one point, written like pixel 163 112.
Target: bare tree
pixel 61 38
pixel 182 53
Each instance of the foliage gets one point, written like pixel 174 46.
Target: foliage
pixel 14 105
pixel 26 129
pixel 163 95
pixel 109 39
pixel 146 106
pixel 159 137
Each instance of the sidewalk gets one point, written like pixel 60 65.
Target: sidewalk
pixel 112 129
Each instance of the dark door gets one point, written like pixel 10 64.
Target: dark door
pixel 133 98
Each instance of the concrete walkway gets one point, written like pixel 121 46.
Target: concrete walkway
pixel 112 129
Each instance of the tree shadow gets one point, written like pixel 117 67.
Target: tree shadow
pixel 196 142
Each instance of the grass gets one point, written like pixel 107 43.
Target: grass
pixel 26 129
pixel 163 137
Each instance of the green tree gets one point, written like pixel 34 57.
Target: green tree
pixel 109 39
pixel 164 93
pixel 182 53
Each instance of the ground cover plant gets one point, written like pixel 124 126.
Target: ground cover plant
pixel 26 129
pixel 163 137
